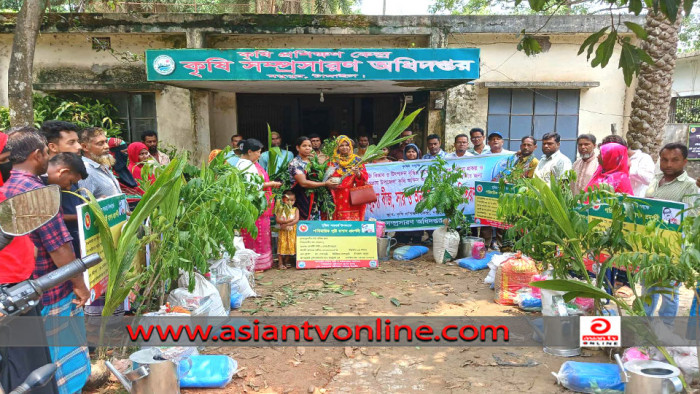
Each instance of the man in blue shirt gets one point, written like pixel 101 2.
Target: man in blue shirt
pixel 434 149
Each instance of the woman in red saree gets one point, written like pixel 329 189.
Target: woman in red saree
pixel 613 169
pixel 352 174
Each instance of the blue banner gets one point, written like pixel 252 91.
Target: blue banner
pixel 398 212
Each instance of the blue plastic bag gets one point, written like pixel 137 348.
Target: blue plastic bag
pixel 590 377
pixel 236 300
pixel 207 371
pixel 473 264
pixel 409 252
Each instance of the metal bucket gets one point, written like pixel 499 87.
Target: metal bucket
pixel 561 332
pixel 223 285
pixel 149 376
pixel 466 246
pixel 384 245
pixel 649 377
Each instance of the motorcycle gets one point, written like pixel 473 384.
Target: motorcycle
pixel 21 215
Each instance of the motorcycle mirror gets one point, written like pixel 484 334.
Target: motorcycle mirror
pixel 26 212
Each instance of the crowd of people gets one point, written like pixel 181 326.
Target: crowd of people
pixel 62 154
pixel 59 153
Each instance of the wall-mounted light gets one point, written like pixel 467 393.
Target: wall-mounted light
pixel 321 99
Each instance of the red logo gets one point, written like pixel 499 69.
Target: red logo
pixel 87 221
pixel 600 326
pixel 479 188
pixel 303 228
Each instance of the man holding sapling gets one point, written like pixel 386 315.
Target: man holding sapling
pixel 673 184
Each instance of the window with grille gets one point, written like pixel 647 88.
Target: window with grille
pixel 517 113
pixel 136 111
pixel 685 110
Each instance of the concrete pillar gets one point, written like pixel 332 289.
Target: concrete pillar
pixel 200 103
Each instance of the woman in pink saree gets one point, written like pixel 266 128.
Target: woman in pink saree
pixel 254 173
pixel 613 169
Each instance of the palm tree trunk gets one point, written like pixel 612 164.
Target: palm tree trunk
pixel 652 97
pixel 19 75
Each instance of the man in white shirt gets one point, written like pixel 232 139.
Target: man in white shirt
pixel 553 162
pixel 461 146
pixel 642 169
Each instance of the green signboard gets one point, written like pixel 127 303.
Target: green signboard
pixel 694 142
pixel 668 214
pixel 312 64
pixel 486 196
pixel 336 244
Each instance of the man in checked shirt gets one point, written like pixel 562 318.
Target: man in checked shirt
pixel 29 156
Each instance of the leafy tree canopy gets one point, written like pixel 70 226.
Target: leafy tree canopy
pixel 598 46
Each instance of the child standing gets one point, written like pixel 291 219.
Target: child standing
pixel 287 217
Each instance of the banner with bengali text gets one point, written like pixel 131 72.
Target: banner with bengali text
pixel 391 179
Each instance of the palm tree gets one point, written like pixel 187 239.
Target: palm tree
pixel 652 96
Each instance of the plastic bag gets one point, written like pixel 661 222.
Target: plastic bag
pixel 409 252
pixel 207 371
pixel 445 244
pixel 511 276
pixel 493 264
pixel 634 354
pixel 203 288
pixel 590 377
pixel 473 264
pixel 240 278
pixel 527 301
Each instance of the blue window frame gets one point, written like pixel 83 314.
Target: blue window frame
pixel 517 113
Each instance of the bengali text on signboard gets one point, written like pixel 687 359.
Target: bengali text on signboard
pixel 312 64
pixel 336 244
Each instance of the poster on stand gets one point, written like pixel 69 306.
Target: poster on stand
pixel 486 204
pixel 336 244
pixel 114 209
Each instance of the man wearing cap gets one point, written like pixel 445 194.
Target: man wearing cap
pixel 286 155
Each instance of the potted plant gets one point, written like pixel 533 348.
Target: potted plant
pixel 440 194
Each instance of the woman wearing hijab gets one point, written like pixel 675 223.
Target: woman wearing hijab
pixel 411 152
pixel 613 169
pixel 352 174
pixel 138 155
pixel 120 169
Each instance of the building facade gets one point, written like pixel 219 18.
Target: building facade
pixel 102 55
